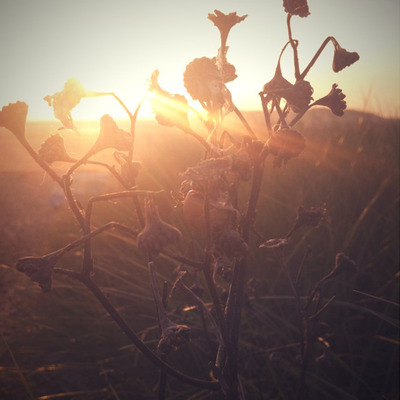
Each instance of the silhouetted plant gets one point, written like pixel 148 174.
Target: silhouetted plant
pixel 219 219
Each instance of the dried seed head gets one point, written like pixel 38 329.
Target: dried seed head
pixel 63 102
pixel 222 214
pixel 285 144
pixel 13 118
pixel 334 100
pixel 343 58
pixel 225 22
pixel 296 7
pixel 208 170
pixel 111 136
pixel 169 109
pixel 203 81
pixel 156 233
pixel 53 149
pixel 278 82
pixel 298 96
pixel 173 337
pixel 39 269
pixel 241 166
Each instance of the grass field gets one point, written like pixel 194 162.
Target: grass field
pixel 63 345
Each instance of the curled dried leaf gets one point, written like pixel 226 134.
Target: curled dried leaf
pixel 64 101
pixel 169 109
pixel 13 118
pixel 53 149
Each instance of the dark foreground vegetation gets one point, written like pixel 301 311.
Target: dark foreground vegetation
pixel 62 344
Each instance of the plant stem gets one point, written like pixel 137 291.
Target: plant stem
pixel 244 122
pixel 96 291
pixel 294 44
pixel 41 163
pixel 315 58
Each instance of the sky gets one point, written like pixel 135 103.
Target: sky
pixel 115 46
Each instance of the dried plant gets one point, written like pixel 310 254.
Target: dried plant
pixel 213 210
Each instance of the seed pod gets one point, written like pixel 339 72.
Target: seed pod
pixel 39 269
pixel 285 144
pixel 156 233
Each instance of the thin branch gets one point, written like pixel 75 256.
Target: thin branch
pixel 244 122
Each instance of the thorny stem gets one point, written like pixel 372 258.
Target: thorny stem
pixel 294 44
pixel 96 291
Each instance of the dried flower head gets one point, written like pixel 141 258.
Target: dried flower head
pixel 173 336
pixel 296 7
pixel 241 166
pixel 129 169
pixel 111 136
pixel 277 83
pixel 210 169
pixel 285 144
pixel 298 96
pixel 334 100
pixel 224 23
pixel 203 81
pixel 13 118
pixel 343 58
pixel 63 102
pixel 156 233
pixel 39 269
pixel 169 109
pixel 53 149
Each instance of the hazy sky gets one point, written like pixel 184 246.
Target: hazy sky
pixel 115 45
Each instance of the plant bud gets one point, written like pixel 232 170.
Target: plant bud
pixel 156 233
pixel 285 144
